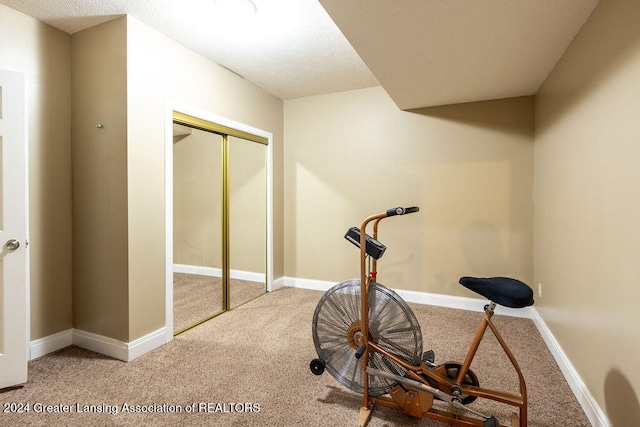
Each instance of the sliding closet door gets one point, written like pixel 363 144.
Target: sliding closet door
pixel 219 219
pixel 247 198
pixel 197 226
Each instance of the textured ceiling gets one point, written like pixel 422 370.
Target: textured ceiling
pixel 290 48
pixel 423 52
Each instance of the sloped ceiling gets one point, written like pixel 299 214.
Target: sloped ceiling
pixel 436 52
pixel 423 52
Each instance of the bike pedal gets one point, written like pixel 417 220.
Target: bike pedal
pixel 428 357
pixel 491 422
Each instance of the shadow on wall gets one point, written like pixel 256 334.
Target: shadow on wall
pixel 483 114
pixel 623 408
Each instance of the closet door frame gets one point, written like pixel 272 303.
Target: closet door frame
pixel 177 113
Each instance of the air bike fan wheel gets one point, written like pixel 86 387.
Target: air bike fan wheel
pixel 392 326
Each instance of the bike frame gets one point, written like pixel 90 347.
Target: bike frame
pixel 417 376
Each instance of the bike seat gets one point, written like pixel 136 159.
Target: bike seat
pixel 501 290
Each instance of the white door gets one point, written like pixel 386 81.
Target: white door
pixel 14 297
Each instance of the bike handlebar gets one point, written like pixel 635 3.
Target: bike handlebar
pixel 402 211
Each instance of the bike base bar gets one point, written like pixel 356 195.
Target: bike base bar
pixel 431 390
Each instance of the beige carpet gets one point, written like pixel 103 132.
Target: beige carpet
pixel 197 297
pixel 256 359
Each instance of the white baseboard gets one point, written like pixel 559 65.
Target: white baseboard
pixel 591 408
pixel 51 343
pixel 589 405
pixel 196 269
pixel 316 285
pixel 278 283
pixel 100 344
pixel 118 349
pixel 217 272
pixel 145 344
pixel 462 303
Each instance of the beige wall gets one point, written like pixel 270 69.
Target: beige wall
pixel 197 196
pixel 587 238
pixel 125 73
pixel 159 70
pixel 99 95
pixel 43 54
pixel 247 206
pixel 468 167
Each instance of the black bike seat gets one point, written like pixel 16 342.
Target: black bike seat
pixel 501 290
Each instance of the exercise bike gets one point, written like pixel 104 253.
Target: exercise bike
pixel 370 341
